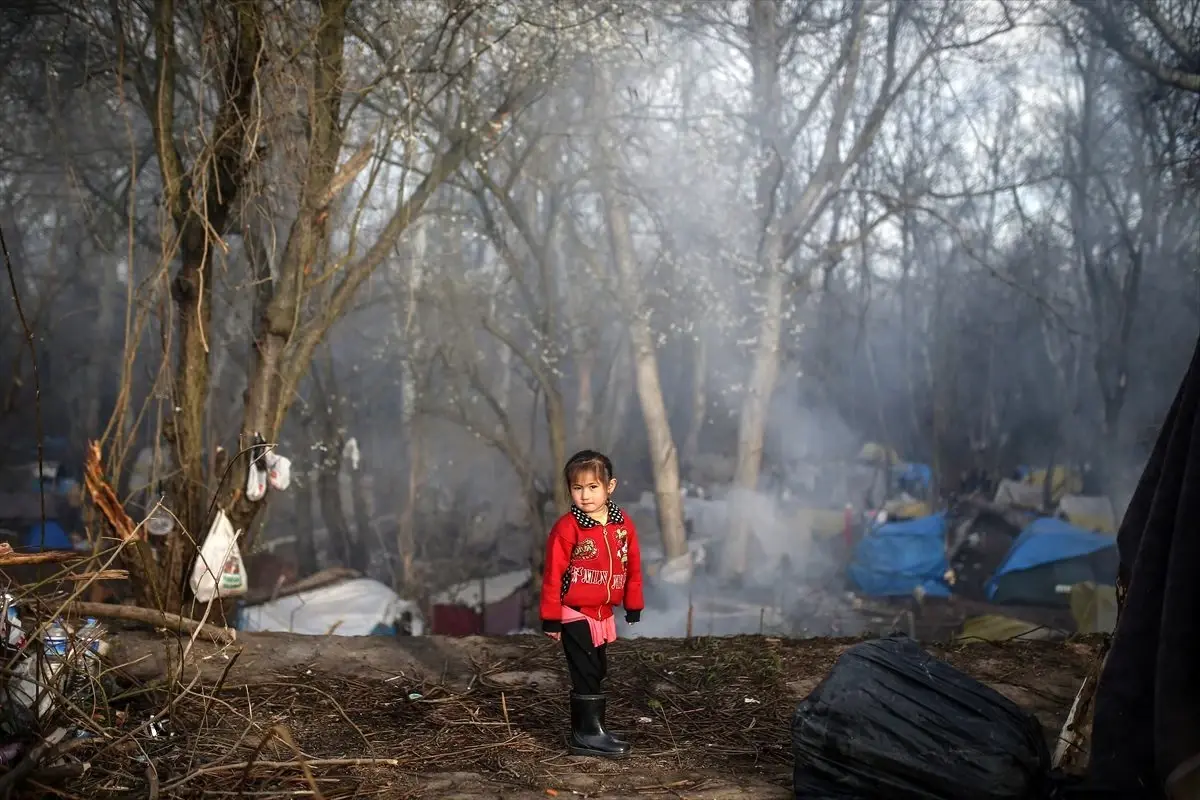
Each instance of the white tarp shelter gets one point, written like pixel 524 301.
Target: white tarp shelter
pixel 355 607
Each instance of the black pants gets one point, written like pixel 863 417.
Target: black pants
pixel 586 663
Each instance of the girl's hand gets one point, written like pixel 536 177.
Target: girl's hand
pixel 555 635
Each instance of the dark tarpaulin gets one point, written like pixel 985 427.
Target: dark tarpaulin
pixel 1146 730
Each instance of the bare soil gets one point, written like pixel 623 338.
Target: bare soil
pixel 279 715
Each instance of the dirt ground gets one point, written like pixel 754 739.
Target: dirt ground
pixel 279 715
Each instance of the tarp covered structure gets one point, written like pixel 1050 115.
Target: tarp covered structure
pixel 1014 494
pixel 490 606
pixel 1063 481
pixel 1089 513
pixel 1050 553
pixel 48 536
pixel 356 607
pixel 898 557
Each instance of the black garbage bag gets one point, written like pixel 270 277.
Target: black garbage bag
pixel 892 722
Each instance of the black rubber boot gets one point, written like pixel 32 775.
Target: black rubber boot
pixel 604 725
pixel 588 736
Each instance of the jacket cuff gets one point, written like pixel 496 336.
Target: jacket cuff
pixel 551 626
pixel 633 616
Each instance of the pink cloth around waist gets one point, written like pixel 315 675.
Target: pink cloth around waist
pixel 603 630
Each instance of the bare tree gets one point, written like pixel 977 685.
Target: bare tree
pixel 1152 36
pixel 314 278
pixel 771 40
pixel 664 457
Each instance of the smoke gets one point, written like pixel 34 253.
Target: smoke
pixel 795 522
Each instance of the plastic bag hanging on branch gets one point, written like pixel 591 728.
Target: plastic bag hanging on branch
pixel 256 472
pixel 892 722
pixel 219 570
pixel 279 471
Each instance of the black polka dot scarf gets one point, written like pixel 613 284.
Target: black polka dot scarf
pixel 615 517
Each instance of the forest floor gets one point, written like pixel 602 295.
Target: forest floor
pixel 280 715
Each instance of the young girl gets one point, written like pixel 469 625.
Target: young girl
pixel 592 564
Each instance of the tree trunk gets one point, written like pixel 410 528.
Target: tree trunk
pixel 279 293
pixel 198 222
pixel 184 430
pixel 752 423
pixel 408 330
pixel 405 530
pixel 765 49
pixel 664 460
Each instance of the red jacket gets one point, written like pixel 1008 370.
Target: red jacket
pixel 592 567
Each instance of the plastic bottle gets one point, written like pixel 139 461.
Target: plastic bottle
pixel 55 641
pixel 91 637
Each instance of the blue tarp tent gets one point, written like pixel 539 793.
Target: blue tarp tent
pixel 1050 553
pixel 897 557
pixel 55 538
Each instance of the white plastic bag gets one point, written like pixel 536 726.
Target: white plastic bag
pixel 256 481
pixel 219 570
pixel 279 471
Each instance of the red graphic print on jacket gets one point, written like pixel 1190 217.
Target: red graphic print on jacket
pixel 591 567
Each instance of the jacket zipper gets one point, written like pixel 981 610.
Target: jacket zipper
pixel 608 583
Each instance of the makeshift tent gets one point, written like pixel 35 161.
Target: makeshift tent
pixel 1049 554
pixel 898 557
pixel 51 536
pixel 1012 494
pixel 1089 513
pixel 1064 481
pixel 357 607
pixel 979 544
pixel 492 605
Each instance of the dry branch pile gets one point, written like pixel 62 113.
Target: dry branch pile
pixel 700 713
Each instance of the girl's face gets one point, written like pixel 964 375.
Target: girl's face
pixel 589 493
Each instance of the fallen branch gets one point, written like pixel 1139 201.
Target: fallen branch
pixel 150 616
pixel 11 559
pixel 99 575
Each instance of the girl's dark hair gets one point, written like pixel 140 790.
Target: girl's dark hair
pixel 588 461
